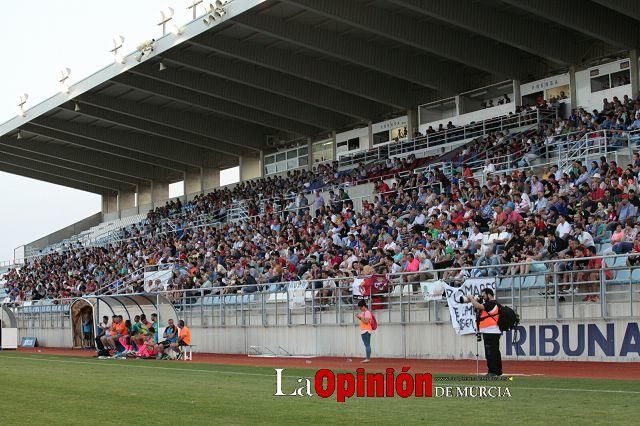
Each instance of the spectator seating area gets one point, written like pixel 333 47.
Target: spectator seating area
pixel 530 226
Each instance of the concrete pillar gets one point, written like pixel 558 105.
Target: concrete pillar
pixel 126 200
pixel 573 87
pixel 310 153
pixel 459 107
pixel 334 145
pixel 412 122
pixel 193 182
pixel 109 203
pixel 209 178
pixel 251 167
pixel 517 97
pixel 144 194
pixel 370 135
pixel 159 191
pixel 633 69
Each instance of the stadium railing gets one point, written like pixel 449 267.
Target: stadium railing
pixel 448 136
pixel 402 301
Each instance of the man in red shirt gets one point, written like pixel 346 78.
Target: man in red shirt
pixel 501 216
pixel 513 217
pixel 597 193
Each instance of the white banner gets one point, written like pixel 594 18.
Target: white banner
pixel 296 291
pixel 463 315
pixel 355 286
pixel 432 290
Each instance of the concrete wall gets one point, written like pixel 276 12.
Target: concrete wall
pixel 66 232
pixel 159 191
pixel 126 200
pixel 211 178
pixel 422 335
pixel 144 194
pixel 250 167
pixel 110 203
pixel 192 182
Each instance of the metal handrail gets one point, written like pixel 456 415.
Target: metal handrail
pixel 399 297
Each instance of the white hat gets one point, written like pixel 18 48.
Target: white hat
pixel 597 175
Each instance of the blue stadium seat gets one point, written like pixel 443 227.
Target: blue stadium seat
pixel 248 298
pixel 635 275
pixel 605 247
pixel 620 261
pixel 505 283
pixel 533 281
pixel 622 276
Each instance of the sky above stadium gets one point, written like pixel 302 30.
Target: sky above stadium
pixel 39 39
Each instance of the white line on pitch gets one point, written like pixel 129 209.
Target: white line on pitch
pixel 123 363
pixel 581 390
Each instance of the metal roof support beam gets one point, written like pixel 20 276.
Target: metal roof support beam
pixel 438 39
pixel 220 131
pixel 94 145
pixel 250 97
pixel 593 20
pixel 148 146
pixel 189 92
pixel 51 178
pixel 197 149
pixel 11 152
pixel 123 166
pixel 65 173
pixel 196 145
pixel 626 7
pixel 501 26
pixel 276 83
pixel 437 75
pixel 350 79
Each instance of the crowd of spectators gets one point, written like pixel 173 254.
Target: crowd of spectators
pixel 415 222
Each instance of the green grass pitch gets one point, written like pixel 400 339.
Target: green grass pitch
pixel 44 389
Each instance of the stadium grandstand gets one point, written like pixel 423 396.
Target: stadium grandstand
pixel 385 147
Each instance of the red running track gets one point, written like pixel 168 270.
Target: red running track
pixel 565 369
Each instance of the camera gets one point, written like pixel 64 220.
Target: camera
pixel 465 299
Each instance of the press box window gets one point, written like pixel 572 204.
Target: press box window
pixel 380 137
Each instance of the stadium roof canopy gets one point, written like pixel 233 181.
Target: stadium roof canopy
pixel 295 69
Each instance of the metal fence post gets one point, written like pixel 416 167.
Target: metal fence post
pixel 288 308
pixel 603 294
pixel 555 292
pixel 262 309
pixel 313 305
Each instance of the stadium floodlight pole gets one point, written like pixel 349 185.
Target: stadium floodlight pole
pixel 117 45
pixel 64 78
pixel 166 15
pixel 194 6
pixel 22 100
